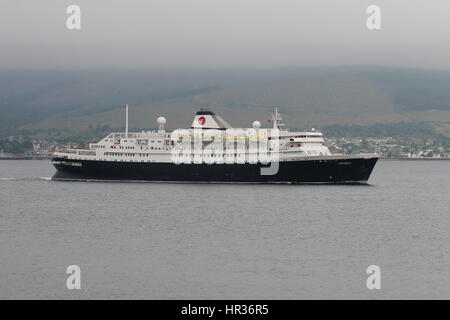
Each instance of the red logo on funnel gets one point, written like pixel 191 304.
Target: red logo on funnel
pixel 201 120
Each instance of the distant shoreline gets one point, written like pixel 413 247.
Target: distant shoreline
pixel 23 158
pixel 381 159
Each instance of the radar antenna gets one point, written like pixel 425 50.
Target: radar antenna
pixel 277 120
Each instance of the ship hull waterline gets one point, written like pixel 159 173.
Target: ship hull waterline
pixel 323 171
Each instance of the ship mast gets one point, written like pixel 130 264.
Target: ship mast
pixel 277 120
pixel 126 121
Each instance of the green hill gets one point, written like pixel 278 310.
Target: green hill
pixel 63 103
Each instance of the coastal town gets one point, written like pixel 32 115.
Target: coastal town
pixel 392 148
pixel 23 148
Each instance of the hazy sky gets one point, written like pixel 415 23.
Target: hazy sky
pixel 223 34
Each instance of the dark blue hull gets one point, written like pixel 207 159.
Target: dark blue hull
pixel 349 170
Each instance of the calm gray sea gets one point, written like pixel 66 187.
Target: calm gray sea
pixel 200 241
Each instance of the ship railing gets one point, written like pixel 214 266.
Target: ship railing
pixel 126 136
pixel 81 152
pixel 87 153
pixel 71 151
pixel 309 139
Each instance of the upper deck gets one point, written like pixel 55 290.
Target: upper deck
pixel 159 145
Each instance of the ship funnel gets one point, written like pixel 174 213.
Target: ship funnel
pixel 206 119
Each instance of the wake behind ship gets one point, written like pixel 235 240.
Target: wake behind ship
pixel 290 157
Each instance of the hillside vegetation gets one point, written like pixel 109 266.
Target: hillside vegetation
pixel 69 104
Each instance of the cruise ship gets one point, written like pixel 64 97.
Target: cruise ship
pixel 212 151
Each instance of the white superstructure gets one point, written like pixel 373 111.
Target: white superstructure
pixel 157 145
